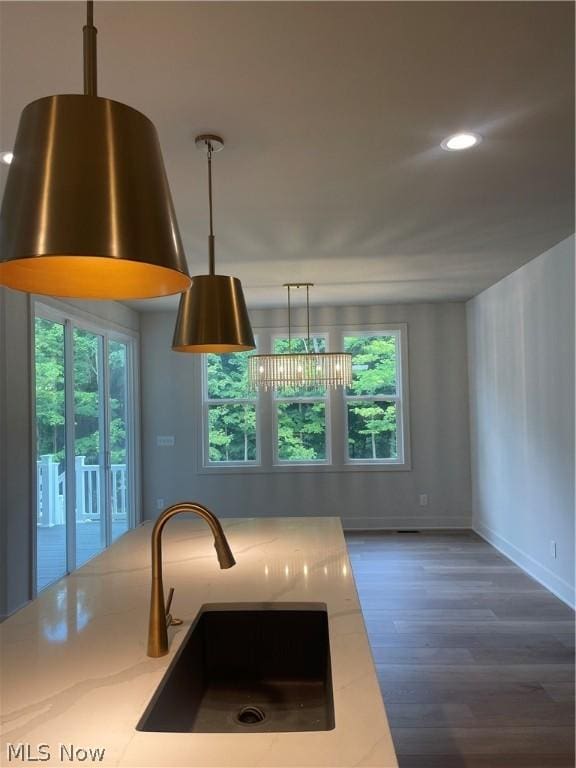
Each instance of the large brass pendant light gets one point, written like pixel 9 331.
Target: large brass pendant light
pixel 212 316
pixel 87 210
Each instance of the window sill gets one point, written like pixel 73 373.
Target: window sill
pixel 306 468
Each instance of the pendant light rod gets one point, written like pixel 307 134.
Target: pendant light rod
pixel 289 320
pixel 210 143
pixel 288 287
pixel 308 314
pixel 211 256
pixel 90 58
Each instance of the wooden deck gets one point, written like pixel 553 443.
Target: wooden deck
pixel 475 659
pixel 51 548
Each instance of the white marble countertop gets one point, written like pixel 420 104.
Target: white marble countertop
pixel 75 671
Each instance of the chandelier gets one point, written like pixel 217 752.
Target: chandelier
pixel 300 370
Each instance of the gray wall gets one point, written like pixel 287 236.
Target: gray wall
pixel 364 499
pixel 521 369
pixel 17 505
pixel 15 451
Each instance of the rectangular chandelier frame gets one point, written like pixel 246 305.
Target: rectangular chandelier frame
pixel 306 369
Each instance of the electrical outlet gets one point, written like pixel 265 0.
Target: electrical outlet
pixel 159 503
pixel 423 499
pixel 553 550
pixel 165 441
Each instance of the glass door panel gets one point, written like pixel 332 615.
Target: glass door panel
pixel 118 410
pixel 84 443
pixel 49 359
pixel 89 445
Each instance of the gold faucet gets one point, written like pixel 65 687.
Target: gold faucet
pixel 160 617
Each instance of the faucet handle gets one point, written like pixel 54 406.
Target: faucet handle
pixel 170 621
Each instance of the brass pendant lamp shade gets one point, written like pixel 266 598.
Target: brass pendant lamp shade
pixel 87 210
pixel 212 316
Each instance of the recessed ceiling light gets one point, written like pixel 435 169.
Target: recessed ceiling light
pixel 460 141
pixel 6 157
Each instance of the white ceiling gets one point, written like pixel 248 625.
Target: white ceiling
pixel 332 115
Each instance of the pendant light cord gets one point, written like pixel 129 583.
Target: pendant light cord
pixel 211 235
pixel 90 59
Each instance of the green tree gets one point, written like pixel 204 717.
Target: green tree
pixel 50 393
pixel 118 369
pixel 372 423
pixel 301 431
pixel 232 426
pixel 50 410
pixel 301 425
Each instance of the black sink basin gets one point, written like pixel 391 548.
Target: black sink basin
pixel 245 669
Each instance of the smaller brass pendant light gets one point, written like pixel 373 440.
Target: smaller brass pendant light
pixel 87 211
pixel 212 316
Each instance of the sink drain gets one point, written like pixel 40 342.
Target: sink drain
pixel 250 716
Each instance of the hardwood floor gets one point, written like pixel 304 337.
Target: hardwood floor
pixel 475 659
pixel 51 548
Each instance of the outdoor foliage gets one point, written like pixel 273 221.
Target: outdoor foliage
pixel 301 425
pixel 49 362
pixel 231 426
pixel 371 422
pixel 301 414
pixel 301 431
pixel 50 393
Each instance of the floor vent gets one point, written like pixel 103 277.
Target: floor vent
pixel 411 531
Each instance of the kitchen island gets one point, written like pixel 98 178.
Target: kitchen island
pixel 76 677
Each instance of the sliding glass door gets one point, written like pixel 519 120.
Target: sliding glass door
pixel 89 441
pixel 119 492
pixel 84 438
pixel 50 451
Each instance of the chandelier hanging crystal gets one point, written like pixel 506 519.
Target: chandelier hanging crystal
pixel 300 370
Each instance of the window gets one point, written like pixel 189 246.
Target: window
pixel 364 427
pixel 373 402
pixel 300 415
pixel 230 410
pixel 84 440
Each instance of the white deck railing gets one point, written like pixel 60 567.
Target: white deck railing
pixel 51 491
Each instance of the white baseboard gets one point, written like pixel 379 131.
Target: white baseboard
pixel 541 573
pixel 403 524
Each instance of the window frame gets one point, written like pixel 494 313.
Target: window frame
pixel 207 463
pixel 336 417
pixel 399 399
